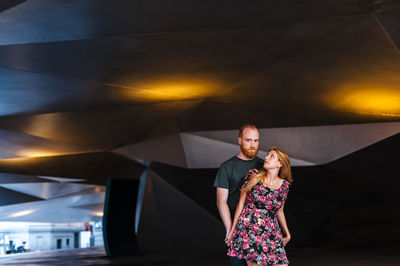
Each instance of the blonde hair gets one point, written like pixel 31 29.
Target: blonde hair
pixel 284 171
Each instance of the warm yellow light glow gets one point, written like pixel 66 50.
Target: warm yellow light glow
pixel 98 189
pixel 172 90
pixel 36 153
pixel 48 126
pixel 368 100
pixel 98 213
pixel 21 213
pixel 380 114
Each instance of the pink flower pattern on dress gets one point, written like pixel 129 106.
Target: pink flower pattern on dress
pixel 257 236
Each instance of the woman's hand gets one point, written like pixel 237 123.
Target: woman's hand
pixel 227 232
pixel 228 237
pixel 286 239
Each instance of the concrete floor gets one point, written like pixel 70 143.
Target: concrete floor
pixel 298 257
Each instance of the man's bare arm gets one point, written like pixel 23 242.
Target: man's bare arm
pixel 222 197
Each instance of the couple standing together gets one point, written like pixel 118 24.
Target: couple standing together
pixel 251 195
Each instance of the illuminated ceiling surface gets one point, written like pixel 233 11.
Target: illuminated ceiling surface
pixel 79 77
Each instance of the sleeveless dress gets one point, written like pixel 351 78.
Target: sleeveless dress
pixel 257 236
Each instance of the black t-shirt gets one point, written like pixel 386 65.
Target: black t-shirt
pixel 230 176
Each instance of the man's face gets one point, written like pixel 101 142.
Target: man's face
pixel 249 142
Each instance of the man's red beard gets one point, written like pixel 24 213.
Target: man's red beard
pixel 249 153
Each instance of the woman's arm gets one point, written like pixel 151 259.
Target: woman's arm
pixel 282 221
pixel 239 208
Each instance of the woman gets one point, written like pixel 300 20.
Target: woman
pixel 255 234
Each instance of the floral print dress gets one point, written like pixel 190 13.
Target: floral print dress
pixel 257 236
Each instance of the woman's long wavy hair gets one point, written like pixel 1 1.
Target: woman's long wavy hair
pixel 284 171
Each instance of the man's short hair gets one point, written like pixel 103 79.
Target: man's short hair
pixel 242 128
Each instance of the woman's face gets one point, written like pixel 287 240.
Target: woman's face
pixel 271 160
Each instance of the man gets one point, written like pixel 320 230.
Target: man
pixel 231 174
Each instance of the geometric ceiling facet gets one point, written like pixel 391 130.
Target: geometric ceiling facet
pixel 47 190
pixel 19 178
pixel 21 23
pixel 16 145
pixel 33 29
pixel 178 177
pixel 204 152
pixel 317 144
pixel 100 127
pixel 390 21
pixel 160 203
pixel 29 92
pixel 11 197
pixel 167 149
pixel 378 163
pixel 56 210
pixel 92 207
pixel 61 179
pixel 96 167
pixel 85 191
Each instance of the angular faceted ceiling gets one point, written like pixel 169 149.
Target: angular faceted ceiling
pixel 95 84
pixel 94 75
